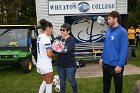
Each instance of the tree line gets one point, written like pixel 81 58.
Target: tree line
pixel 17 12
pixel 134 12
pixel 24 12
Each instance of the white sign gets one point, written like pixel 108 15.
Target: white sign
pixel 81 7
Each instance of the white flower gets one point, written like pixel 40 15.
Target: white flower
pixel 58 46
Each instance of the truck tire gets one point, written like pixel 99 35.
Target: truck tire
pixel 27 65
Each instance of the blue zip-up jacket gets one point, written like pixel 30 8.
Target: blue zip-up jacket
pixel 115 46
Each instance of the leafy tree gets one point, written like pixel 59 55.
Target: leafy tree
pixel 9 11
pixel 24 12
pixel 17 12
pixel 28 12
pixel 134 12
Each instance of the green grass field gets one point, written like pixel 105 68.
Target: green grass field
pixel 12 80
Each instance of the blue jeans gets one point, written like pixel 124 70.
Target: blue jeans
pixel 68 73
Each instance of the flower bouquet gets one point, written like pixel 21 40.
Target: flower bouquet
pixel 59 46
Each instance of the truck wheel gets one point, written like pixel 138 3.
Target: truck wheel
pixel 27 65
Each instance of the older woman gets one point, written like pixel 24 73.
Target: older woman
pixel 66 63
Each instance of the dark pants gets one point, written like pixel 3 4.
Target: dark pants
pixel 68 73
pixel 137 41
pixel 131 41
pixel 108 73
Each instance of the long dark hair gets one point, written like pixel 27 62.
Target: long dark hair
pixel 44 24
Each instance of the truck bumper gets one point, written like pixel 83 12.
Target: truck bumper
pixel 8 62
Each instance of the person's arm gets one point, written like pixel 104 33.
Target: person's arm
pixel 101 59
pixel 70 45
pixel 123 52
pixel 123 49
pixel 138 31
pixel 50 53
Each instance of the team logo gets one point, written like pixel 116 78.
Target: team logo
pixel 83 6
pixel 112 37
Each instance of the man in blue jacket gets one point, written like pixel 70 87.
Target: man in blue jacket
pixel 114 53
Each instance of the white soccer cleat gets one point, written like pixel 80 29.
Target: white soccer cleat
pixel 57 88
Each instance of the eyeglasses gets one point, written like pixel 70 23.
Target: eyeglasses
pixel 63 30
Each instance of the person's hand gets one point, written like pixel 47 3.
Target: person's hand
pixel 118 69
pixel 101 61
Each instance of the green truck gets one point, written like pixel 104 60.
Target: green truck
pixel 18 46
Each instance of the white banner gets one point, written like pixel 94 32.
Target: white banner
pixel 81 7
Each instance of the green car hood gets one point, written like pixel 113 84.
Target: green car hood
pixel 18 53
pixel 10 52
